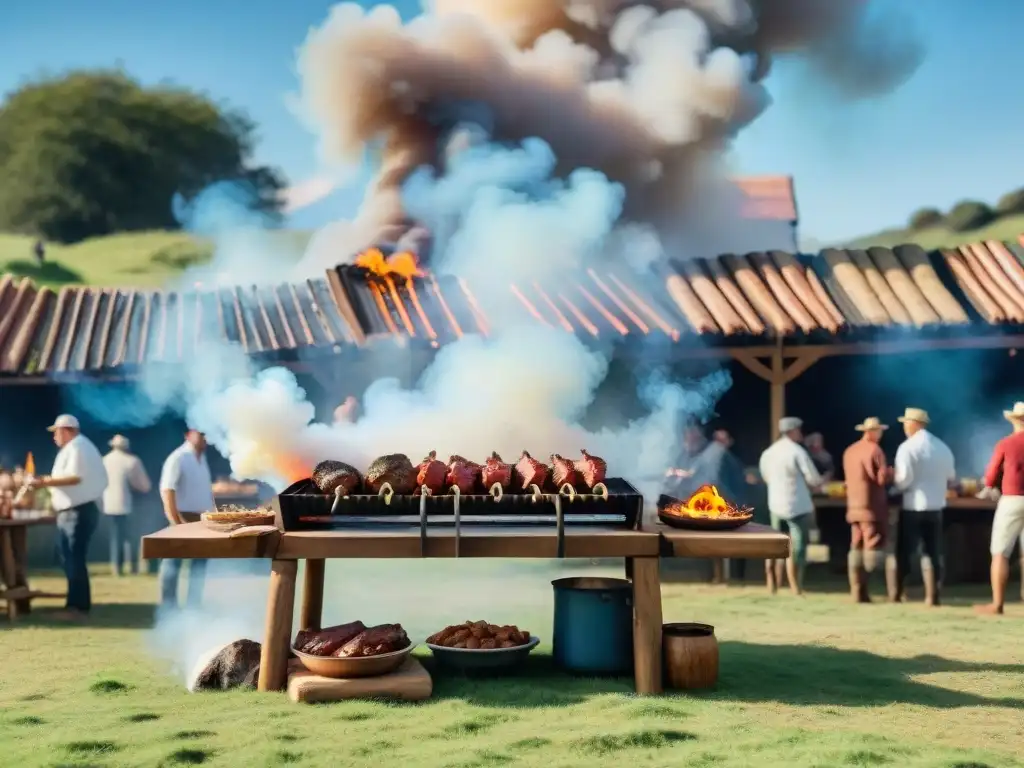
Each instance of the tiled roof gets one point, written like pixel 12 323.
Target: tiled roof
pixel 768 197
pixel 727 300
pixel 78 329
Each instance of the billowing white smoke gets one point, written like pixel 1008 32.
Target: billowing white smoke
pixel 524 388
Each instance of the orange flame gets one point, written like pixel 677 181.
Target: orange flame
pixel 292 468
pixel 30 464
pixel 402 264
pixel 707 502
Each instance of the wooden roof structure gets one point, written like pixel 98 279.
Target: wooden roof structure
pixel 760 309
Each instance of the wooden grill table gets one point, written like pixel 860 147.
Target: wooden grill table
pixel 14 565
pixel 641 550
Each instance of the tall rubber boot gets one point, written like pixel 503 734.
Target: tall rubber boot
pixel 893 580
pixel 931 585
pixel 857 576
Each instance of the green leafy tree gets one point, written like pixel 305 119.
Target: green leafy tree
pixel 94 152
pixel 968 215
pixel 925 218
pixel 1011 203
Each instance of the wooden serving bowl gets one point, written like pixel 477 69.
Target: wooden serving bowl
pixel 342 667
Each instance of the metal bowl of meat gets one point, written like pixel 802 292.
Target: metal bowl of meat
pixel 479 646
pixel 705 510
pixel 353 650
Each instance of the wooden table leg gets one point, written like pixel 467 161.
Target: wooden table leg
pixel 9 569
pixel 277 634
pixel 19 541
pixel 312 609
pixel 647 625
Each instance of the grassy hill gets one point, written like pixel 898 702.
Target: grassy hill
pixel 151 259
pixel 138 259
pixel 1006 229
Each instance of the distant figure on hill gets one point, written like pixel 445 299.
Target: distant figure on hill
pixel 39 252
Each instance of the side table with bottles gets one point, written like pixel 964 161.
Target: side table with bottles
pixel 17 515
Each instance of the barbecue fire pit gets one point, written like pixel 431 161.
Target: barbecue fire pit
pixel 604 523
pixel 613 503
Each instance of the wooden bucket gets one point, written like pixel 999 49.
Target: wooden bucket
pixel 690 656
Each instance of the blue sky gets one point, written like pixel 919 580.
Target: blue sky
pixel 953 131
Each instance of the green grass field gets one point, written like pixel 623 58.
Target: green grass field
pixel 811 682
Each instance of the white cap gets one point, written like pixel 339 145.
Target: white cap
pixel 64 421
pixel 789 423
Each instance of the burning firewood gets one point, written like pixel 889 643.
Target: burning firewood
pixel 706 502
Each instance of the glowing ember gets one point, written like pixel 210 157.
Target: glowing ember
pixel 708 503
pixel 402 264
pixel 292 469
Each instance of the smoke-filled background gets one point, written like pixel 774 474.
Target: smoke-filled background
pixel 514 141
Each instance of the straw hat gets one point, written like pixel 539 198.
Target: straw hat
pixel 119 441
pixel 871 423
pixel 1017 414
pixel 920 415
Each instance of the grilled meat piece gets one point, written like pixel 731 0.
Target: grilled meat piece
pixel 562 471
pixel 431 473
pixel 481 635
pixel 529 472
pixel 331 475
pixel 394 469
pixel 324 642
pixel 496 471
pixel 591 469
pixel 383 638
pixel 462 475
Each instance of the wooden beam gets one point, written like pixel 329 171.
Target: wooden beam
pixel 777 393
pixel 799 364
pixel 750 361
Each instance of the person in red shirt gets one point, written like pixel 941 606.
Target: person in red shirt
pixel 1006 472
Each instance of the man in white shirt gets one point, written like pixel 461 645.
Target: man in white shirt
pixel 922 472
pixel 186 490
pixel 125 474
pixel 789 473
pixel 76 484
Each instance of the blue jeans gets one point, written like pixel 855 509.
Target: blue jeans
pixel 170 570
pixel 75 528
pixel 122 541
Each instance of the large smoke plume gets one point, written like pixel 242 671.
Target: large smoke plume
pixel 525 139
pixel 648 93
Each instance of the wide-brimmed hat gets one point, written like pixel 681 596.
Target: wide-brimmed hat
pixel 119 441
pixel 870 424
pixel 64 421
pixel 920 415
pixel 1016 414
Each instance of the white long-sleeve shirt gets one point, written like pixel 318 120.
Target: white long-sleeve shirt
pixel 125 474
pixel 789 473
pixel 923 469
pixel 78 458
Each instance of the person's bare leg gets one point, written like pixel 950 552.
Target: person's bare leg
pixel 769 572
pixel 794 579
pixel 1000 575
pixel 780 573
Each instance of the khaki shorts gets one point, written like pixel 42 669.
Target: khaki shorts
pixel 1008 525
